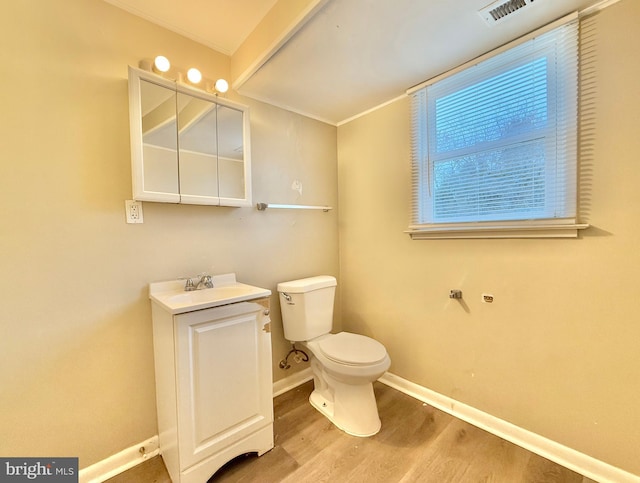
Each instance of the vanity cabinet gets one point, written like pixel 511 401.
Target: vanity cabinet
pixel 213 386
pixel 187 145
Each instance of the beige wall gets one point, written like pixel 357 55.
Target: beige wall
pixel 557 352
pixel 76 373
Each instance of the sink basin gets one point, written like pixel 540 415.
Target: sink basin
pixel 226 290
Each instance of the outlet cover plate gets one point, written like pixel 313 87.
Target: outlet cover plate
pixel 133 210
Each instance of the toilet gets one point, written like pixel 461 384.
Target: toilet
pixel 344 365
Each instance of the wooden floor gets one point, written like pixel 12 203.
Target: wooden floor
pixel 417 443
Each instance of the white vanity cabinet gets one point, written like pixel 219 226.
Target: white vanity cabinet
pixel 213 386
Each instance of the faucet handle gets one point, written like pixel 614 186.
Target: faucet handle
pixel 189 285
pixel 206 281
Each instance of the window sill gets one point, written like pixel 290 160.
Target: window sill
pixel 434 232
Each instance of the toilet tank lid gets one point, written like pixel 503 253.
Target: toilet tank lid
pixel 307 284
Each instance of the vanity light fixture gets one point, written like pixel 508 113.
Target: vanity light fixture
pixel 161 64
pixel 221 86
pixel 194 75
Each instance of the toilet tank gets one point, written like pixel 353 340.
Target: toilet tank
pixel 307 307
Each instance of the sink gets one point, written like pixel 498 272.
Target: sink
pixel 226 290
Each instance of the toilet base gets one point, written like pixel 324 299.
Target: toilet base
pixel 352 408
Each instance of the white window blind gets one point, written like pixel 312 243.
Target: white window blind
pixel 494 145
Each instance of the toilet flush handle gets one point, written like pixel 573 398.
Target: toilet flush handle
pixel 287 297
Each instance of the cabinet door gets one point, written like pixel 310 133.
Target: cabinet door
pixel 234 159
pixel 154 148
pixel 198 150
pixel 224 378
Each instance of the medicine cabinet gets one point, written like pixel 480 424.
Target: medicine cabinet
pixel 187 146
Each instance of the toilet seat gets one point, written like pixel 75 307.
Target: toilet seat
pixel 352 349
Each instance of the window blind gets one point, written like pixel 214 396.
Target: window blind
pixel 497 141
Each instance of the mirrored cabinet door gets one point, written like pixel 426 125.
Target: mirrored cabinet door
pixel 187 146
pixel 198 150
pixel 154 153
pixel 160 151
pixel 231 155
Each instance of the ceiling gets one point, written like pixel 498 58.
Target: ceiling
pixel 220 24
pixel 352 55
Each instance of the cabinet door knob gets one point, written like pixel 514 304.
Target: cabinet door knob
pixel 267 311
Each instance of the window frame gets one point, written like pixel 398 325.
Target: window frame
pixel 423 227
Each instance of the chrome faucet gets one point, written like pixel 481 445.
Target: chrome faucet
pixel 204 282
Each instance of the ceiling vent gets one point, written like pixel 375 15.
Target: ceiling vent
pixel 500 11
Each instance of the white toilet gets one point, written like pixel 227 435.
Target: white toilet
pixel 344 365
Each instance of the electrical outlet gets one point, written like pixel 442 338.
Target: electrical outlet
pixel 133 209
pixel 487 298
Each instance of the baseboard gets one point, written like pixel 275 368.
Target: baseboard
pixel 122 461
pixel 292 381
pixel 567 457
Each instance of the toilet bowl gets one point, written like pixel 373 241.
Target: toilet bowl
pixel 344 365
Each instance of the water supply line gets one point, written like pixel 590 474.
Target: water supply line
pixel 298 356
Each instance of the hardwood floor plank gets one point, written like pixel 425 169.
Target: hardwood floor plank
pixel 541 469
pixel 497 461
pixel 447 458
pixel 151 471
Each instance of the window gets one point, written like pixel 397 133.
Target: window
pixel 494 144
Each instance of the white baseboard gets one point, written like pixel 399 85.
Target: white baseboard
pixel 294 380
pixel 122 461
pixel 567 457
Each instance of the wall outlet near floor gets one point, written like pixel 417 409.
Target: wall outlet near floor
pixel 133 210
pixel 487 298
pixel 149 448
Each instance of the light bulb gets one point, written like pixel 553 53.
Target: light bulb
pixel 222 86
pixel 161 64
pixel 194 75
